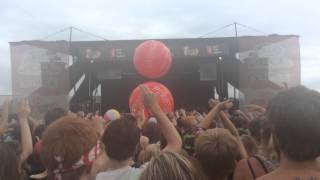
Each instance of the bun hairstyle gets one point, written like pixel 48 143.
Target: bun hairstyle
pixel 68 148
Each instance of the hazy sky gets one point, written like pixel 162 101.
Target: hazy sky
pixel 132 19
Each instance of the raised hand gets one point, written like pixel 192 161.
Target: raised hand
pixel 255 108
pixel 225 105
pixel 23 109
pixel 212 102
pixel 166 127
pixel 140 117
pixel 149 98
pixel 26 139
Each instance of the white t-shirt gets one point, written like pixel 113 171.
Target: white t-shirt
pixel 125 173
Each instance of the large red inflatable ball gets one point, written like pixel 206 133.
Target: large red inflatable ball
pixel 163 94
pixel 152 59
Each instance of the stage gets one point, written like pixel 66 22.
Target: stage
pixel 98 75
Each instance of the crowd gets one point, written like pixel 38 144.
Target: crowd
pixel 279 142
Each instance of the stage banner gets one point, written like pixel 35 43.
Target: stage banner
pixel 118 50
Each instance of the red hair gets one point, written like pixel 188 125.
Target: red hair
pixel 67 139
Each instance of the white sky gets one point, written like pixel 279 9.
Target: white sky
pixel 128 19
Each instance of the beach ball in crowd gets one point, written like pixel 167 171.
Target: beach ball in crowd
pixel 163 94
pixel 152 59
pixel 111 115
pixel 152 120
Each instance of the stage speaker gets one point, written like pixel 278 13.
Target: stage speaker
pixel 208 71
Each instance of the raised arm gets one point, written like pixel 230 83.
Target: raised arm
pixel 214 113
pixel 233 130
pixel 256 108
pixel 227 124
pixel 174 142
pixel 244 116
pixel 26 139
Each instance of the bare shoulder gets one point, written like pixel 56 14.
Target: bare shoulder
pixel 265 177
pixel 291 176
pixel 240 171
pixel 271 176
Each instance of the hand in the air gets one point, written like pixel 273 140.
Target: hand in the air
pixel 213 102
pixel 23 109
pixel 225 105
pixel 149 98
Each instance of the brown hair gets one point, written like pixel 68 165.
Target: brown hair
pixel 53 115
pixel 69 138
pixel 9 158
pixel 250 145
pixel 121 138
pixel 294 116
pixel 169 165
pixel 216 151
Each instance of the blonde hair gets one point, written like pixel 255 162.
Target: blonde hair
pixel 169 165
pixel 216 151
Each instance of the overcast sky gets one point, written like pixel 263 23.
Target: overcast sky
pixel 132 19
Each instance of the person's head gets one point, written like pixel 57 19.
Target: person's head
pixel 216 151
pixel 9 158
pixel 170 165
pixel 250 145
pixel 121 138
pixel 295 118
pixel 53 114
pixel 69 147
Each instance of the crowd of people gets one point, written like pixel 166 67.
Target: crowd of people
pixel 279 142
